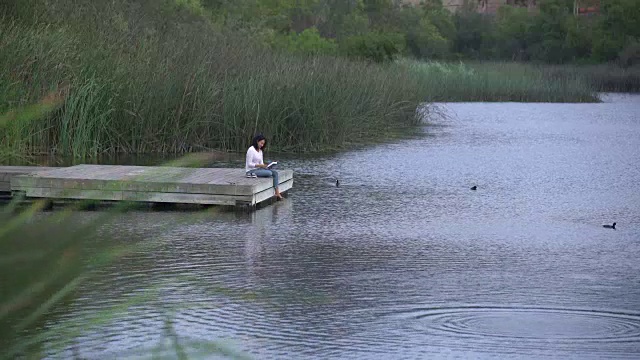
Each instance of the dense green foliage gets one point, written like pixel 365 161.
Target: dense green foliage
pixel 552 34
pixel 167 76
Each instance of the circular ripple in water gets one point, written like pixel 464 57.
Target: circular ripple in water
pixel 544 324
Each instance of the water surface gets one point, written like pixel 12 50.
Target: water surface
pixel 403 260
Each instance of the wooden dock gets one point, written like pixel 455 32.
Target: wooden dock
pixel 154 184
pixel 8 172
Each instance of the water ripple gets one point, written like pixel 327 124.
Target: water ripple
pixel 526 323
pixel 345 272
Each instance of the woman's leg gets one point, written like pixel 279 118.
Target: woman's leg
pixel 262 172
pixel 272 174
pixel 275 179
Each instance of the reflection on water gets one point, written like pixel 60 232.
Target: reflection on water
pixel 403 260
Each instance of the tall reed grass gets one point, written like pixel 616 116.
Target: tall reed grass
pixel 45 260
pixel 158 77
pixel 497 82
pixel 138 78
pixel 602 78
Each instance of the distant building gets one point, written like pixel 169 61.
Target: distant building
pixel 586 7
pixel 482 6
pixel 581 7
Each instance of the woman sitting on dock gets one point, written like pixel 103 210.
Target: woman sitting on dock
pixel 254 165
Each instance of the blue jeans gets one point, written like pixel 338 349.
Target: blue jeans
pixel 266 173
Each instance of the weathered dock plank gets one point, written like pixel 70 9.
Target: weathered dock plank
pixel 8 172
pixel 210 186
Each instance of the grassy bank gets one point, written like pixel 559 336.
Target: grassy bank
pixel 498 82
pixel 159 77
pixel 602 78
pixel 510 81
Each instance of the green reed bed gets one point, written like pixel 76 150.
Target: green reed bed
pixel 603 77
pixel 495 82
pixel 158 77
pixel 173 83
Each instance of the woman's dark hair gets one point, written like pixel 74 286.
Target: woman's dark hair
pixel 257 138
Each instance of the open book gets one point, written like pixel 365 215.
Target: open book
pixel 272 164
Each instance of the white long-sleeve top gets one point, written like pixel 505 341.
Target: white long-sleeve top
pixel 254 157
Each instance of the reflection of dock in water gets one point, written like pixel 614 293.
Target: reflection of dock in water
pixel 270 227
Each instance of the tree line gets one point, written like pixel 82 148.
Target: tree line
pixel 381 30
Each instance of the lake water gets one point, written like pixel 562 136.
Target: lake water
pixel 403 260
